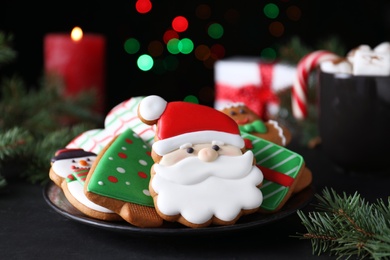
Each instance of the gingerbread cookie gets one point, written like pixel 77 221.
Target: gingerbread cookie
pixel 250 122
pixel 119 180
pixel 284 172
pixel 69 168
pixel 202 174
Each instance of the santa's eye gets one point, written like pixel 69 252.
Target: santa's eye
pixel 242 111
pixel 73 161
pixel 88 160
pixel 190 150
pixel 215 147
pixel 233 113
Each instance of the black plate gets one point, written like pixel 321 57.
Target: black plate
pixel 57 200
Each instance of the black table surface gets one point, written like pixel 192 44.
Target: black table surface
pixel 31 229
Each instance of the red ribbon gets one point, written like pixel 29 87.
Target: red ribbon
pixel 255 97
pixel 276 177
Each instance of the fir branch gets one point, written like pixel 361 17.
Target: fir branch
pixel 347 226
pixel 13 142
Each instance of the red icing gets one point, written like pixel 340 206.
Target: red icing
pixel 189 117
pixel 248 143
pixel 276 177
pixel 142 175
pixel 122 155
pixel 129 141
pixel 71 177
pixel 149 153
pixel 112 179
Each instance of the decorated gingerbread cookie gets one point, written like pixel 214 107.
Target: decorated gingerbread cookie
pixel 202 174
pixel 250 122
pixel 284 172
pixel 69 168
pixel 119 180
pixel 121 117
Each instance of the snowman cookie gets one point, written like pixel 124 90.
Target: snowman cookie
pixel 69 168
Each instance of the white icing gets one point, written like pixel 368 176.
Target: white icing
pixel 77 190
pixel 280 131
pixel 224 188
pixel 152 107
pixel 227 167
pixel 64 167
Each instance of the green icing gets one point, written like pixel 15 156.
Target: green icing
pixel 256 126
pixel 123 171
pixel 278 158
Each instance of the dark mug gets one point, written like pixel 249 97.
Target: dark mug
pixel 354 121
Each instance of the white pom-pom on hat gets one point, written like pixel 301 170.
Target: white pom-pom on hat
pixel 152 107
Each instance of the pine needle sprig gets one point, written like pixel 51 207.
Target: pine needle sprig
pixel 347 225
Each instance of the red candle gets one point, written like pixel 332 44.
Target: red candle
pixel 79 61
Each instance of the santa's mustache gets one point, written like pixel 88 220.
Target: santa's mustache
pixel 191 170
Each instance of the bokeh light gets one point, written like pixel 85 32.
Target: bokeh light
pixel 170 34
pixel 271 10
pixel 185 46
pixel 173 46
pixel 203 11
pixel 180 24
pixel 293 13
pixel 276 29
pixel 215 30
pixel 202 52
pixel 155 48
pixel 269 53
pixel 217 51
pixel 191 99
pixel 145 62
pixel 143 6
pixel 131 45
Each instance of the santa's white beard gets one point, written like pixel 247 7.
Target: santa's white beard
pixel 198 190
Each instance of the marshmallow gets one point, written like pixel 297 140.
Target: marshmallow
pixel 383 47
pixel 342 66
pixel 371 63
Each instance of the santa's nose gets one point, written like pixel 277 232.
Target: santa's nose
pixel 207 154
pixel 83 163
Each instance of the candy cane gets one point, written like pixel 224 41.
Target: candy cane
pixel 299 89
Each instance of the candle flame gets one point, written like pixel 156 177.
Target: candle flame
pixel 76 34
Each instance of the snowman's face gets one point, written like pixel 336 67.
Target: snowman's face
pixel 64 167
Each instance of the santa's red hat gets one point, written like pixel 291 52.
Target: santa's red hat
pixel 182 122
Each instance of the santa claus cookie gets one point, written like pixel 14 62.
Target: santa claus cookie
pixel 202 174
pixel 69 168
pixel 119 180
pixel 250 122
